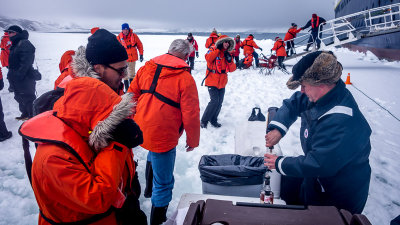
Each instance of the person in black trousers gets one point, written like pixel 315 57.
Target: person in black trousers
pixel 20 73
pixel 4 133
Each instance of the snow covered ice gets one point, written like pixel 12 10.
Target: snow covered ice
pixel 246 89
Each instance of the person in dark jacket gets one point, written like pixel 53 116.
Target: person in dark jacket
pixel 4 133
pixel 334 135
pixel 314 22
pixel 20 73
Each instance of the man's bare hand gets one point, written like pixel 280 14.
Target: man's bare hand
pixel 272 138
pixel 269 160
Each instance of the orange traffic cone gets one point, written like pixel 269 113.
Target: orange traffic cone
pixel 348 79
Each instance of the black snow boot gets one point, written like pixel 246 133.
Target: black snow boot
pixel 158 215
pixel 126 83
pixel 149 180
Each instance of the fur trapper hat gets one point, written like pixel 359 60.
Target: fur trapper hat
pixel 224 38
pixel 316 68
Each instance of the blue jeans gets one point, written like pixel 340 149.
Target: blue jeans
pixel 163 176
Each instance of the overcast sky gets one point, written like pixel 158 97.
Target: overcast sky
pixel 200 15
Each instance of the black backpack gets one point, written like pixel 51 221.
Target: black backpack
pixel 256 117
pixel 46 101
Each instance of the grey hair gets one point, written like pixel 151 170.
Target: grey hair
pixel 180 48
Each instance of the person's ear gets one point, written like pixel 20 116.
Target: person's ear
pixel 99 69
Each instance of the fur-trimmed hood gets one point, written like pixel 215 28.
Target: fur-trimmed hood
pixel 316 68
pixel 90 106
pixel 224 38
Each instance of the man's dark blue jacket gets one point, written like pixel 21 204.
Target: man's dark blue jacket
pixel 335 138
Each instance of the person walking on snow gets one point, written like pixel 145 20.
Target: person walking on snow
pixel 279 48
pixel 195 50
pixel 219 63
pixel 167 105
pixel 4 133
pixel 20 72
pixel 132 44
pixel 334 135
pixel 236 52
pixel 248 46
pixel 212 39
pixel 83 171
pixel 314 22
pixel 290 35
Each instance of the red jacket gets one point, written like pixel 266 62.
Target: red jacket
pixel 195 47
pixel 217 66
pixel 65 67
pixel 248 45
pixel 132 44
pixel 247 61
pixel 211 40
pixel 66 188
pixel 292 32
pixel 236 51
pixel 163 124
pixel 5 49
pixel 279 47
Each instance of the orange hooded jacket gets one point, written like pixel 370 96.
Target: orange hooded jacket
pixel 132 44
pixel 292 32
pixel 163 124
pixel 5 46
pixel 279 47
pixel 77 172
pixel 211 40
pixel 65 67
pixel 217 66
pixel 248 45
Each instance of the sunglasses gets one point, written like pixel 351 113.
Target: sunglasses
pixel 121 71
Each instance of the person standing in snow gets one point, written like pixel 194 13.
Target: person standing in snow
pixel 219 63
pixel 334 134
pixel 5 49
pixel 290 35
pixel 4 133
pixel 83 171
pixel 20 72
pixel 167 104
pixel 248 46
pixel 132 44
pixel 236 52
pixel 195 50
pixel 279 48
pixel 212 39
pixel 315 23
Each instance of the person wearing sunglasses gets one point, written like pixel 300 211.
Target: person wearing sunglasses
pixel 83 171
pixel 20 72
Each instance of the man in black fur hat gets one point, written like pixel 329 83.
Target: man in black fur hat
pixel 334 134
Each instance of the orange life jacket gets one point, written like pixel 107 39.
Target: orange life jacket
pixel 248 45
pixel 316 24
pixel 279 47
pixel 217 68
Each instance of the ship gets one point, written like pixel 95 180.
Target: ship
pixel 384 44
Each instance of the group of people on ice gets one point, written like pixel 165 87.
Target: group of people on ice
pixel 84 170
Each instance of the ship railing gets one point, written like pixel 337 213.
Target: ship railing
pixel 341 31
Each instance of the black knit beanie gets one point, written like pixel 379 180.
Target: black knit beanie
pixel 104 48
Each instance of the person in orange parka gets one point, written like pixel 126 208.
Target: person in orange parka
pixel 290 35
pixel 246 62
pixel 5 49
pixel 236 52
pixel 212 39
pixel 248 46
pixel 219 63
pixel 65 67
pixel 132 44
pixel 279 47
pixel 83 171
pixel 163 112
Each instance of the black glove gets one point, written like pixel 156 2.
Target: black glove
pixel 130 213
pixel 260 49
pixel 197 54
pixel 228 57
pixel 127 133
pixel 141 58
pixel 1 84
pixel 220 46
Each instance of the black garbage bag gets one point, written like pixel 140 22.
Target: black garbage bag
pixel 232 170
